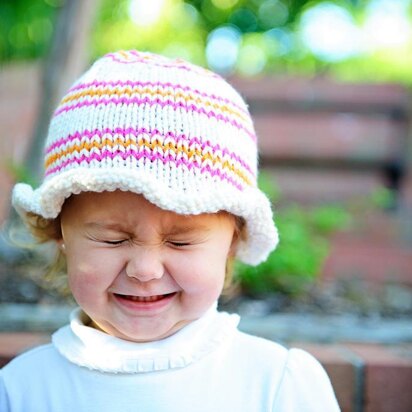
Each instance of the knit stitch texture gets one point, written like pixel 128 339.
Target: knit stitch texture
pixel 172 131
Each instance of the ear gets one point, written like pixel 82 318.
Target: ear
pixel 61 245
pixel 234 244
pixel 238 235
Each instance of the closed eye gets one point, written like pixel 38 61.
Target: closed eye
pixel 179 244
pixel 114 242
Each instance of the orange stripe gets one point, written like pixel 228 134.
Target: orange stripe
pixel 118 91
pixel 151 145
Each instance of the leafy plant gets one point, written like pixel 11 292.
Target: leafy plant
pixel 304 245
pixel 20 173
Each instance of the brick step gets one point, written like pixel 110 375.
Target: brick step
pixel 376 261
pixel 321 92
pixel 367 377
pixel 317 185
pixel 359 372
pixel 314 184
pixel 375 226
pixel 329 136
pixel 14 343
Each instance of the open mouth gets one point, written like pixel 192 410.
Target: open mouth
pixel 145 299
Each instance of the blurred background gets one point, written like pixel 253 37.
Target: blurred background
pixel 329 86
pixel 328 83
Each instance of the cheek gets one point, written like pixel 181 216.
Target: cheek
pixel 201 272
pixel 82 281
pixel 89 273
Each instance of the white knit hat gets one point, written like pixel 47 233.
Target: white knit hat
pixel 174 132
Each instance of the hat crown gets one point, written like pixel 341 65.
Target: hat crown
pixel 133 108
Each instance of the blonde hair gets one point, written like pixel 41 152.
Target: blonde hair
pixel 239 235
pixel 49 230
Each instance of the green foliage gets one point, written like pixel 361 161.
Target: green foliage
pixel 302 250
pixel 383 198
pixel 20 173
pixel 26 28
pixel 268 30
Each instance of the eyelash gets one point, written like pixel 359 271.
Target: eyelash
pixel 114 242
pixel 179 244
pixel 119 242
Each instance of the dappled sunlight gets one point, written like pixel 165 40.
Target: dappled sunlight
pixel 332 33
pixel 222 48
pixel 387 24
pixel 365 40
pixel 146 13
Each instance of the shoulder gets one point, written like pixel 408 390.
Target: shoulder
pixel 302 361
pixel 31 355
pixel 33 378
pixel 298 380
pixel 33 360
pixel 259 349
pixel 34 372
pixel 248 342
pixel 305 370
pixel 305 386
pixel 254 356
pixel 294 360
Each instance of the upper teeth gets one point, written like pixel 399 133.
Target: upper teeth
pixel 145 298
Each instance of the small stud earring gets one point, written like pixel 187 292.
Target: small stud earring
pixel 63 247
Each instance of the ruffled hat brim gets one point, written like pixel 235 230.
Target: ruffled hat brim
pixel 251 204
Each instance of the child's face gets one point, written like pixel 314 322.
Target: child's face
pixel 139 272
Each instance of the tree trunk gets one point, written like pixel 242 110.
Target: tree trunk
pixel 66 60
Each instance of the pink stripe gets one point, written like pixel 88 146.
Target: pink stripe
pixel 146 100
pixel 132 84
pixel 152 133
pixel 153 62
pixel 106 154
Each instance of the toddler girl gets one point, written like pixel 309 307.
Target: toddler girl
pixel 149 193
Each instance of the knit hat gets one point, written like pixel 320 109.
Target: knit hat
pixel 174 132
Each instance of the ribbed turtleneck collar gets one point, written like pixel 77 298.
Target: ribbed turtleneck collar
pixel 91 348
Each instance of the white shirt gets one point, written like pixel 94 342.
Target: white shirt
pixel 209 365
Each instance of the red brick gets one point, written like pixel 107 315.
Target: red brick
pixel 383 227
pixel 292 89
pixel 329 136
pixel 12 344
pixel 314 185
pixel 388 377
pixel 406 191
pixel 369 259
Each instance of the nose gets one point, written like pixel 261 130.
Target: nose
pixel 144 264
